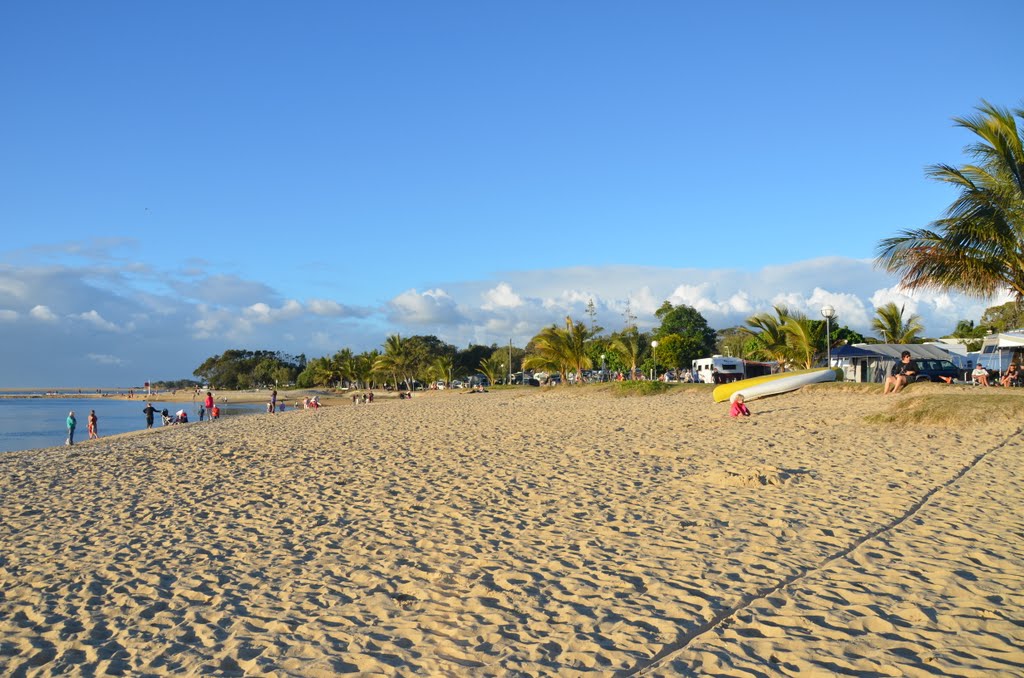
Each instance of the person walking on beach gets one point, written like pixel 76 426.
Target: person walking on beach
pixel 149 411
pixel 209 404
pixel 93 423
pixel 72 422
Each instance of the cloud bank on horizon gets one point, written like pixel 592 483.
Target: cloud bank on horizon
pixel 104 322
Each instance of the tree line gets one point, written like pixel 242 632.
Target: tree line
pixel 784 335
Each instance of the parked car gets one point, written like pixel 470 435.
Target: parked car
pixel 936 370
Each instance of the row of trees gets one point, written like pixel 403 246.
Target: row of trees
pixel 242 369
pixel 784 335
pixel 419 358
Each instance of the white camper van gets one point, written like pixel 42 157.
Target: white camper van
pixel 727 369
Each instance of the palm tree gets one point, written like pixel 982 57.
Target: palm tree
pixel 443 369
pixel 977 247
pixel 322 372
pixel 396 360
pixel 577 336
pixel 890 324
pixel 493 368
pixel 770 338
pixel 548 352
pixel 560 350
pixel 342 366
pixel 804 338
pixel 363 367
pixel 630 348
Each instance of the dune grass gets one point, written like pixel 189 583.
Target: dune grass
pixel 963 409
pixel 844 387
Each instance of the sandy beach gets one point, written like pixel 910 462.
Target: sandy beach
pixel 524 532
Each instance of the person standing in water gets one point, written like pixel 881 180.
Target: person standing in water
pixel 72 422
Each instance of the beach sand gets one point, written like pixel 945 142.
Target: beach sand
pixel 522 532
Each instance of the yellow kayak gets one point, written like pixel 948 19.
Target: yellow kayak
pixel 770 384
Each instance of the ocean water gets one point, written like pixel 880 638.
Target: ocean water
pixel 32 423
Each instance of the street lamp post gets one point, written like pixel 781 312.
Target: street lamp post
pixel 828 312
pixel 602 367
pixel 654 346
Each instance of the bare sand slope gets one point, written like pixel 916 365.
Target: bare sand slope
pixel 519 533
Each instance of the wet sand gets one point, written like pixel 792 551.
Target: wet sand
pixel 524 532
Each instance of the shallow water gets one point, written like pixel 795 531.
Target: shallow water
pixel 31 423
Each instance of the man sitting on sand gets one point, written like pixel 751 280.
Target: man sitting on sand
pixel 901 371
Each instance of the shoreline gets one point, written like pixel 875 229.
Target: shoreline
pixel 246 397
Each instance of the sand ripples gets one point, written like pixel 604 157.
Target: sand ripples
pixel 514 534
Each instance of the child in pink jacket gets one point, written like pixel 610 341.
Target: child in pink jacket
pixel 738 407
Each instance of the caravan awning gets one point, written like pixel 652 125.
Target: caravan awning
pixel 851 351
pixel 1007 339
pixel 917 351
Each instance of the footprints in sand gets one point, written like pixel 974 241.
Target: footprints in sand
pixel 503 536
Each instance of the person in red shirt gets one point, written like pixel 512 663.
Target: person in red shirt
pixel 738 408
pixel 209 404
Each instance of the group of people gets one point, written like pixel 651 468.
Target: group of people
pixel 207 408
pixel 904 370
pixel 72 423
pixel 1011 377
pixel 365 398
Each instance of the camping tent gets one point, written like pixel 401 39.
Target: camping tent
pixel 855 361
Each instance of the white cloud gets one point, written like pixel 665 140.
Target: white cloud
pixel 153 319
pixel 432 307
pixel 43 313
pixel 96 320
pixel 12 287
pixel 325 307
pixel 259 312
pixel 501 296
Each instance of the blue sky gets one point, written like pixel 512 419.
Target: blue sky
pixel 185 178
